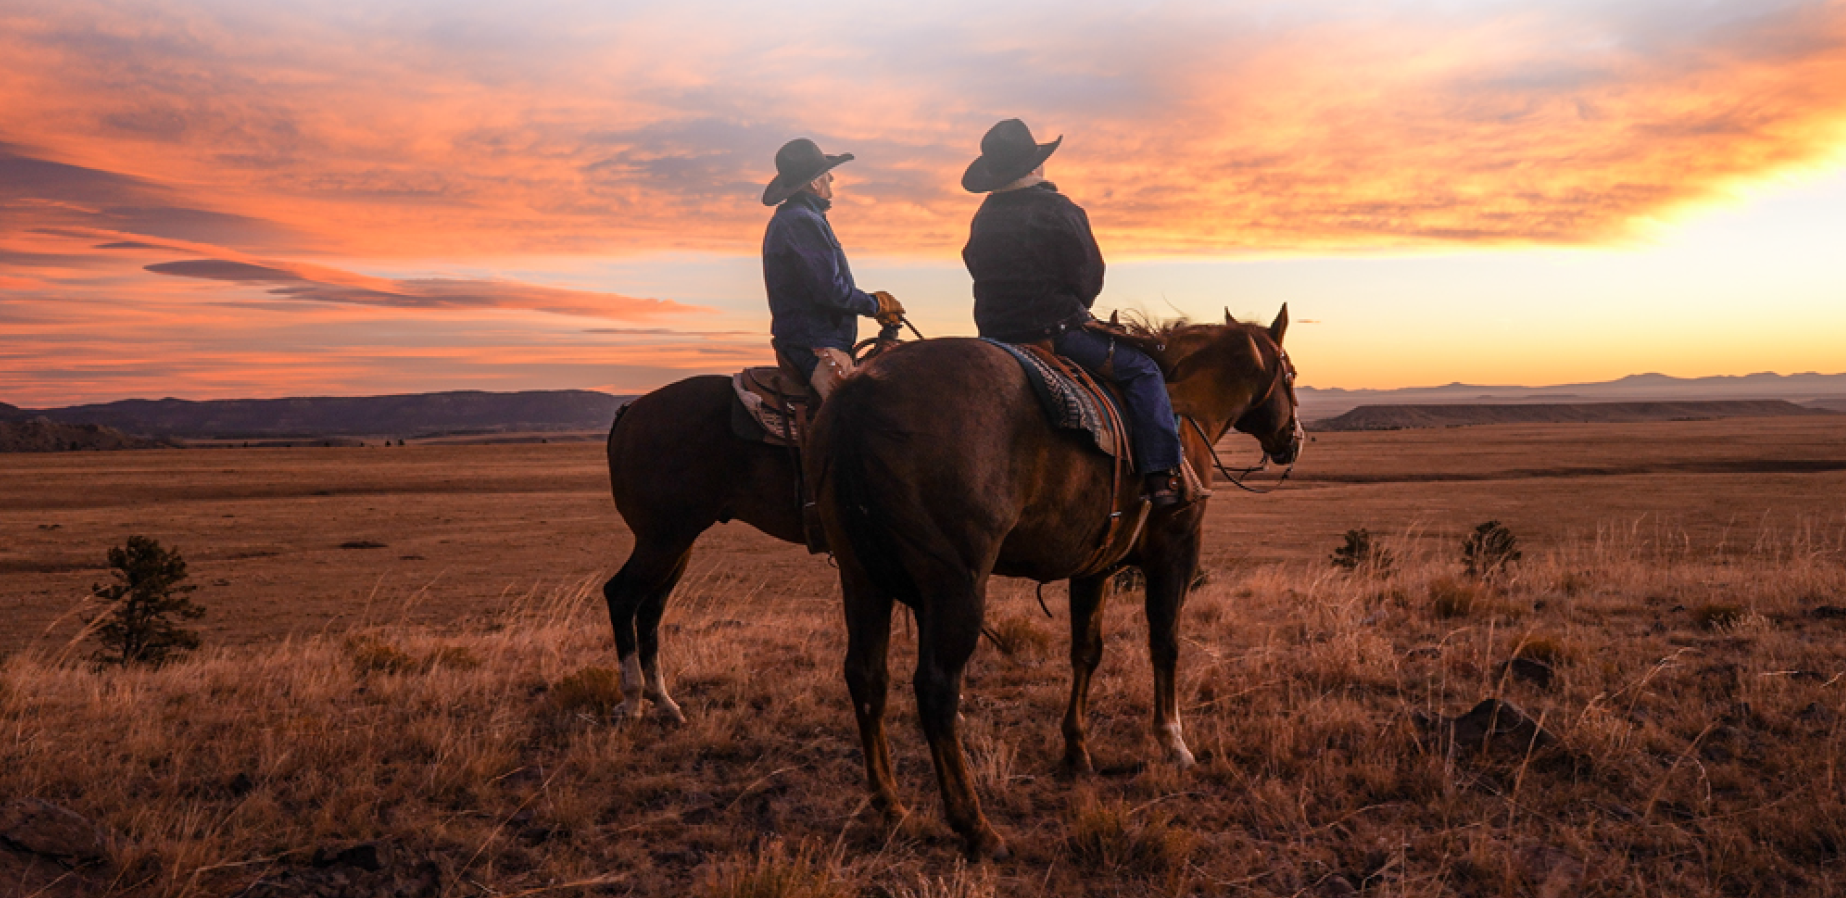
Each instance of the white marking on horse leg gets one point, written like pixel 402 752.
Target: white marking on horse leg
pixel 1168 734
pixel 632 680
pixel 656 688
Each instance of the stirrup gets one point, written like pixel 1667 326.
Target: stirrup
pixel 1165 490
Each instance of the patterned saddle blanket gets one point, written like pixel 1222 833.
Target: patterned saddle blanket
pixel 1072 400
pixel 771 406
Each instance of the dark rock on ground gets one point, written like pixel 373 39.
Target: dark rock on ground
pixel 52 852
pixel 365 870
pixel 1490 725
pixel 1531 670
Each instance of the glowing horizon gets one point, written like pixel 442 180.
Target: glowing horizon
pixel 217 199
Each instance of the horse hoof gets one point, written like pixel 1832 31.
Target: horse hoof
pixel 987 846
pixel 1181 757
pixel 671 714
pixel 890 809
pixel 1078 765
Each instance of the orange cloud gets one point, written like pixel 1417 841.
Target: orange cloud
pixel 1193 128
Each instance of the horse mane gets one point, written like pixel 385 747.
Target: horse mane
pixel 1160 339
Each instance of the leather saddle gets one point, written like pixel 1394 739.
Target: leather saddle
pixel 775 405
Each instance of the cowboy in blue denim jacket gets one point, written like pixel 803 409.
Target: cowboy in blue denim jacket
pixel 813 304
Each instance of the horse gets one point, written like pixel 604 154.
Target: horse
pixel 934 468
pixel 675 469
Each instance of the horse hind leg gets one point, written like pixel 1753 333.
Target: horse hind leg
pixel 647 622
pixel 1086 603
pixel 947 632
pixel 868 679
pixel 637 597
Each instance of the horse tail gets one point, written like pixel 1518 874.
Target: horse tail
pixel 859 425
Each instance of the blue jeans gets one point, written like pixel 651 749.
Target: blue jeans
pixel 1151 426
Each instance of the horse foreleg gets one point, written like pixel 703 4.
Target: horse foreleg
pixel 1166 594
pixel 946 637
pixel 1086 603
pixel 637 594
pixel 868 679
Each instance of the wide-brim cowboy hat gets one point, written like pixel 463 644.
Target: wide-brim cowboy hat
pixel 1008 153
pixel 798 163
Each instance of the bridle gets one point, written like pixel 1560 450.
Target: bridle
pixel 1284 378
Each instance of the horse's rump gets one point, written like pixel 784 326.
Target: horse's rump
pixel 948 443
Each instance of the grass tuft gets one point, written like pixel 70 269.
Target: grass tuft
pixel 591 690
pixel 775 872
pixel 1718 615
pixel 1451 598
pixel 1112 838
pixel 371 654
pixel 1018 634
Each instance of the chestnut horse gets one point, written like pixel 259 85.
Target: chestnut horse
pixel 934 468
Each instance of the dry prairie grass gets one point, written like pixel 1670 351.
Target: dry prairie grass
pixel 1697 756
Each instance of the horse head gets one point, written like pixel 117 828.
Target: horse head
pixel 1236 375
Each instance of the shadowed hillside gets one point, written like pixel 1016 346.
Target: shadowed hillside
pixel 470 411
pixel 40 435
pixel 1401 417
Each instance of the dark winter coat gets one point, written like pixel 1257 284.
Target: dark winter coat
pixel 1036 267
pixel 812 299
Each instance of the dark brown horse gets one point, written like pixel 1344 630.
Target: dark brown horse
pixel 676 469
pixel 934 468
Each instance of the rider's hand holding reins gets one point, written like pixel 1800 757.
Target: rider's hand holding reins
pixel 890 312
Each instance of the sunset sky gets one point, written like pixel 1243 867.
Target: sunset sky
pixel 251 198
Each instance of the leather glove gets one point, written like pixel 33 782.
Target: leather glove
pixel 890 312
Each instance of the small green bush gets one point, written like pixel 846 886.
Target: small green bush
pixel 1489 550
pixel 146 597
pixel 1363 552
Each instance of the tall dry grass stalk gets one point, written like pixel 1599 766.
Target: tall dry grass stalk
pixel 1694 756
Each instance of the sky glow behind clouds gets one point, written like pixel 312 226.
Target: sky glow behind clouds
pixel 508 177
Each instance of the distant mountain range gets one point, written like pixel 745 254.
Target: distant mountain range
pixel 1811 390
pixel 1400 417
pixel 476 412
pixel 410 415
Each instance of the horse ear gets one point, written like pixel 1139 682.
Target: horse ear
pixel 1228 319
pixel 1115 318
pixel 1280 326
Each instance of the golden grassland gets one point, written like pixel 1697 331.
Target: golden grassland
pixel 1691 618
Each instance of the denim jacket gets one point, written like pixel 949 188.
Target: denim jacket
pixel 812 300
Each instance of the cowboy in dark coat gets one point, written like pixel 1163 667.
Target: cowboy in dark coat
pixel 1037 271
pixel 813 303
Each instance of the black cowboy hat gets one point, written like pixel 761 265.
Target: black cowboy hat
pixel 1008 153
pixel 798 163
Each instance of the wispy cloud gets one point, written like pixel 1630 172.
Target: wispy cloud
pixel 319 284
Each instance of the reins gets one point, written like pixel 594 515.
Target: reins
pixel 1236 479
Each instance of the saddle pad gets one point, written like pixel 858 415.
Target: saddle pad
pixel 764 412
pixel 1067 404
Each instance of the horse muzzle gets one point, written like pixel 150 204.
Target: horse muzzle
pixel 1287 449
